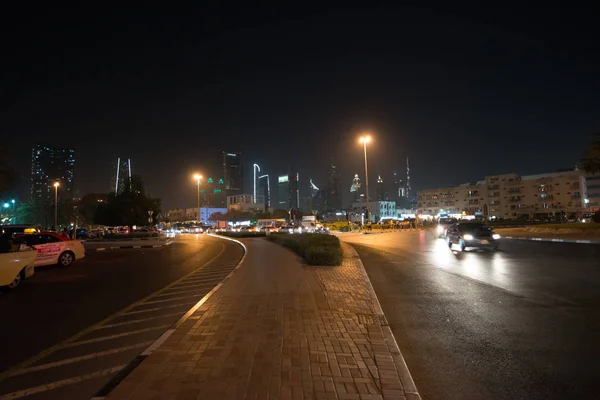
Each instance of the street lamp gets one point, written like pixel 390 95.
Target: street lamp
pixel 198 178
pixel 56 185
pixel 364 140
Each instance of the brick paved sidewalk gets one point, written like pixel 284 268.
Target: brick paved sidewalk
pixel 278 329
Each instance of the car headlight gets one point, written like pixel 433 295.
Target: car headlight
pixel 495 236
pixel 468 237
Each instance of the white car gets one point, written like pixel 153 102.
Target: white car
pixel 53 248
pixel 16 266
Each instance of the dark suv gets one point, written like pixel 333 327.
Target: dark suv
pixel 472 234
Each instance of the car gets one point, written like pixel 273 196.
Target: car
pixel 16 265
pixel 443 224
pixel 53 248
pixel 18 229
pixel 472 234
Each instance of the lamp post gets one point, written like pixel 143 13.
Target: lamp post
pixel 56 185
pixel 14 213
pixel 198 178
pixel 364 140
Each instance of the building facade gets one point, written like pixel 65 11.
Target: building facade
pixel 49 165
pixel 122 175
pixel 593 192
pixel 289 195
pixel 233 173
pixel 333 199
pixel 510 196
pixel 246 202
pixel 191 214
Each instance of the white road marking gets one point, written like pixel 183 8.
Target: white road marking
pixel 173 299
pixel 157 308
pixel 158 342
pixel 136 321
pixel 80 358
pixel 57 384
pixel 195 289
pixel 118 335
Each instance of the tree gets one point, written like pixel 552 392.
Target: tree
pixel 128 208
pixel 216 216
pixel 590 162
pixel 37 213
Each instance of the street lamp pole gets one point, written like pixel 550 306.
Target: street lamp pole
pixel 56 185
pixel 198 177
pixel 364 140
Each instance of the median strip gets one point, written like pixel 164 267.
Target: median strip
pixel 314 248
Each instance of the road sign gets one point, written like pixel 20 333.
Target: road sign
pixel 150 212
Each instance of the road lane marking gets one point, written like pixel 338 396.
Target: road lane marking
pixel 105 391
pixel 57 384
pixel 115 336
pixel 183 291
pixel 137 321
pixel 80 358
pixel 173 299
pixel 157 308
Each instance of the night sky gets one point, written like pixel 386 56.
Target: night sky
pixel 464 93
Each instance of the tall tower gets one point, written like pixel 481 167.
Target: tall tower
pixel 123 175
pixel 48 165
pixel 355 188
pixel 233 173
pixel 408 189
pixel 379 189
pixel 333 199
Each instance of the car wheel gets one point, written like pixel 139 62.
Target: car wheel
pixel 16 282
pixel 462 245
pixel 66 259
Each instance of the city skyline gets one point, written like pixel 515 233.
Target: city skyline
pixel 442 82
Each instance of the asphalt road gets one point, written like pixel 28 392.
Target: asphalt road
pixel 66 331
pixel 521 323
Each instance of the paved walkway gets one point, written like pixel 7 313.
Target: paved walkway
pixel 278 329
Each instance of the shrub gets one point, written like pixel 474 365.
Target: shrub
pixel 314 248
pixel 240 235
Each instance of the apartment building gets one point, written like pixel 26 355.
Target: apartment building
pixel 510 196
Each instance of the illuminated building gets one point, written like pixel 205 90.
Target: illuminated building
pixel 333 198
pixel 289 195
pixel 49 165
pixel 233 173
pixel 123 175
pixel 510 196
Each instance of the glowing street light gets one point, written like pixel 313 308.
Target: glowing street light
pixel 56 185
pixel 364 140
pixel 198 179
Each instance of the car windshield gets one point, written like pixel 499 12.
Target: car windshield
pixel 473 228
pixel 447 221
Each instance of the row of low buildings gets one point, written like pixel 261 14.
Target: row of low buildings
pixel 511 196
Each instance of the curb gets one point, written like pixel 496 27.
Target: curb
pixel 128 369
pixel 554 240
pixel 403 372
pixel 145 246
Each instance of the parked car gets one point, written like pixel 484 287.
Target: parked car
pixel 16 262
pixel 18 229
pixel 472 234
pixel 53 248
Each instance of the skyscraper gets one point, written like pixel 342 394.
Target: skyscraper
pixel 333 197
pixel 380 193
pixel 289 195
pixel 355 188
pixel 123 175
pixel 233 173
pixel 264 189
pixel 49 165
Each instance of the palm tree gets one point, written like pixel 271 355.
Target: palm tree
pixel 32 212
pixel 590 162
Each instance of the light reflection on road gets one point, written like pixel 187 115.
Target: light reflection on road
pixel 482 265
